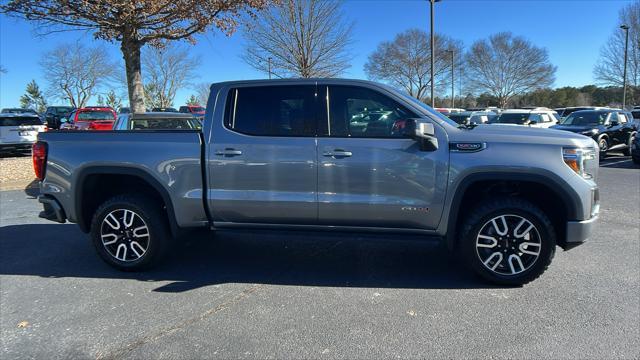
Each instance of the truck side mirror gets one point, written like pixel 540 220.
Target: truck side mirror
pixel 422 132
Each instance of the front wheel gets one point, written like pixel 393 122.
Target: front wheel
pixel 130 232
pixel 508 241
pixel 603 144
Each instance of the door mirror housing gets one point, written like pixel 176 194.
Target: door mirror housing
pixel 422 132
pixel 614 123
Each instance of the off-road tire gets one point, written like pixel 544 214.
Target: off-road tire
pixel 152 216
pixel 479 218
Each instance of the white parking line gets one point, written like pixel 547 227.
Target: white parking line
pixel 615 163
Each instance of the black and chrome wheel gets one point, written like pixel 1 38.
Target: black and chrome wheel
pixel 508 241
pixel 130 232
pixel 603 144
pixel 125 235
pixel 508 244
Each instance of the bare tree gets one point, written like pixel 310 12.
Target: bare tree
pixel 505 66
pixel 134 23
pixel 609 69
pixel 167 70
pixel 406 62
pixel 300 38
pixel 75 72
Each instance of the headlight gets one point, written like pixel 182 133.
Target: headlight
pixel 590 132
pixel 577 158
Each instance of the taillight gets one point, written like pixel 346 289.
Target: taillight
pixel 39 156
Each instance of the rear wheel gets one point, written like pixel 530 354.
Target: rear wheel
pixel 130 232
pixel 627 151
pixel 508 241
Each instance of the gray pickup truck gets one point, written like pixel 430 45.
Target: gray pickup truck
pixel 325 154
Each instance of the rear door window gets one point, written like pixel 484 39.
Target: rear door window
pixel 272 110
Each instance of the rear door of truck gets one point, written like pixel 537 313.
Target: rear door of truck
pixel 262 156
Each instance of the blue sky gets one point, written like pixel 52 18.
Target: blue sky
pixel 572 31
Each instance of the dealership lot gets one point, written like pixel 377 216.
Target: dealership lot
pixel 303 295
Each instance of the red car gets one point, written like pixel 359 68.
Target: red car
pixel 90 118
pixel 196 110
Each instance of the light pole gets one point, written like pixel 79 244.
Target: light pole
pixel 452 81
pixel 624 72
pixel 269 61
pixel 433 98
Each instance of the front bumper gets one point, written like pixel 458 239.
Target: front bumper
pixel 52 209
pixel 580 231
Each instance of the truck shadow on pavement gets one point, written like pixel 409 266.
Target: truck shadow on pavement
pixel 199 260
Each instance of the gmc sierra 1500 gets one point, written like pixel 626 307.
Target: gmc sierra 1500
pixel 327 154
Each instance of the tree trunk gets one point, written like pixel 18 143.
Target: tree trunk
pixel 131 54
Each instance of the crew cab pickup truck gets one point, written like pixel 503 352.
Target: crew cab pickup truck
pixel 324 154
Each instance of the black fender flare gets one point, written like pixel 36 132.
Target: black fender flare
pixel 550 180
pixel 119 170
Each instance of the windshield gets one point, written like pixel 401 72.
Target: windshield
pixel 18 111
pixel 585 118
pixel 164 124
pixel 460 119
pixel 19 120
pixel 95 115
pixel 512 118
pixel 62 110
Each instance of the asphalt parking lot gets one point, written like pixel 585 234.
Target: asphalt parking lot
pixel 299 295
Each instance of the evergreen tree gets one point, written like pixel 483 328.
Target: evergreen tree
pixel 33 98
pixel 193 100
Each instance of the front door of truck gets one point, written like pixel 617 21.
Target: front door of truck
pixel 369 173
pixel 262 157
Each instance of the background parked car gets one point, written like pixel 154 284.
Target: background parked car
pixel 473 117
pixel 164 109
pixel 124 110
pixel 568 110
pixel 53 114
pixel 157 121
pixel 89 118
pixel 448 111
pixel 196 110
pixel 538 117
pixel 610 128
pixel 19 131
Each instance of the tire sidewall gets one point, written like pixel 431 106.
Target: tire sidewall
pixel 547 251
pixel 157 232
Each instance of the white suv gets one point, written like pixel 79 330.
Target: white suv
pixel 537 117
pixel 19 131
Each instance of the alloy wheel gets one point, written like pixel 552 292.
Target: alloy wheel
pixel 125 235
pixel 508 244
pixel 603 144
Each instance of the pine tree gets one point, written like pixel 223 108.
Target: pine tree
pixel 33 98
pixel 113 100
pixel 100 100
pixel 193 100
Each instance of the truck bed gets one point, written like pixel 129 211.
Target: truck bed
pixel 168 159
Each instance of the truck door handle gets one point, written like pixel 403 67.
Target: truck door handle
pixel 229 152
pixel 338 153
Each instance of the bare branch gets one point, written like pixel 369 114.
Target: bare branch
pixel 301 38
